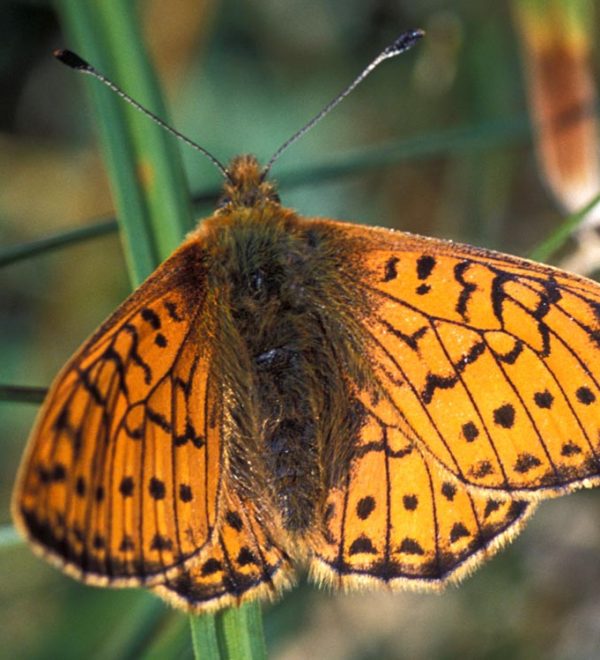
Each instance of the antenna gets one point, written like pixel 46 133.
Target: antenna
pixel 79 64
pixel 402 43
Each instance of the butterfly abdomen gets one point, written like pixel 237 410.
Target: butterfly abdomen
pixel 292 405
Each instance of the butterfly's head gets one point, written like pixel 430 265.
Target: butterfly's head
pixel 245 185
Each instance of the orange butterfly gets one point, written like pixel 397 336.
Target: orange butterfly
pixel 384 407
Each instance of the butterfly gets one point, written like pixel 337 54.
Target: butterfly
pixel 384 408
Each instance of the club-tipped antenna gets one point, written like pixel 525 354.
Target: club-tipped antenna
pixel 402 43
pixel 79 64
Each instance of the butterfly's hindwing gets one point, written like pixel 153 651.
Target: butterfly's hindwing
pixel 242 561
pixel 401 520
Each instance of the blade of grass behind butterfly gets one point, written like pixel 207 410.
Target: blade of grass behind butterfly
pixel 242 641
pixel 84 27
pixel 544 250
pixel 90 24
pixel 159 167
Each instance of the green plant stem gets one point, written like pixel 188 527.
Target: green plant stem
pixel 22 394
pixel 544 250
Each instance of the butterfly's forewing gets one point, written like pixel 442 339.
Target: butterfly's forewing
pixel 493 362
pixel 487 372
pixel 121 478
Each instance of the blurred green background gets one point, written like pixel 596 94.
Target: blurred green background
pixel 435 142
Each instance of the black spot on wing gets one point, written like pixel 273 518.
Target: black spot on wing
pixel 585 396
pixel 234 521
pixel 158 419
pixel 156 488
pixel 425 266
pixel 467 288
pixel 458 531
pixel 151 317
pixel 185 493
pixel 127 544
pixel 160 542
pixel 211 566
pixel 570 449
pixel 448 490
pixel 160 340
pixel 470 431
pixel 504 416
pixel 526 462
pixel 171 308
pixel 482 469
pixel 365 507
pixel 543 399
pixel 411 547
pixel 59 472
pixel 490 507
pixel 98 542
pixel 362 544
pixel 126 486
pixel 390 271
pixel 80 486
pixel 246 557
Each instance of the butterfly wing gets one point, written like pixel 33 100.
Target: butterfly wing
pixel 400 518
pixel 121 477
pixel 487 374
pixel 243 561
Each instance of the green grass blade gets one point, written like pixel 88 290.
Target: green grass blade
pixel 204 638
pixel 559 236
pixel 159 168
pixel 14 253
pixel 88 34
pixel 22 394
pixel 232 634
pixel 452 141
pixel 240 632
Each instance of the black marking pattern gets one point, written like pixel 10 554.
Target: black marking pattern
pixel 390 271
pixel 112 393
pixel 542 302
pixel 522 298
